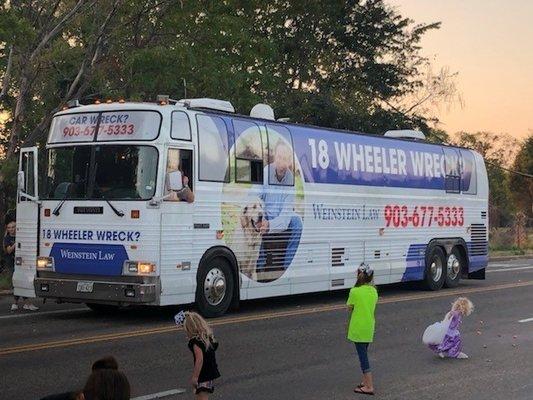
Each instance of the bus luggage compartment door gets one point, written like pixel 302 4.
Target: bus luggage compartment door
pixel 178 277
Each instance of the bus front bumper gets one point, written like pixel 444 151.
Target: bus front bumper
pixel 76 290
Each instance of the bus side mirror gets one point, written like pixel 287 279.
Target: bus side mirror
pixel 175 181
pixel 20 181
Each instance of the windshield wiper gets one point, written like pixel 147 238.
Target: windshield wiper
pixel 118 212
pixel 57 210
pixel 93 180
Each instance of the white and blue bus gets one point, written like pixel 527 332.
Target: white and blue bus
pixel 179 202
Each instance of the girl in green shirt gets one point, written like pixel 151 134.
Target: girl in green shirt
pixel 362 304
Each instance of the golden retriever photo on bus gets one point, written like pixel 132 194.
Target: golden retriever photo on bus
pixel 246 239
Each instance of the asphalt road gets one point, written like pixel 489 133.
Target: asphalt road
pixel 288 348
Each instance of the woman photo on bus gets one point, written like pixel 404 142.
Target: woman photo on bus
pixel 361 304
pixel 203 346
pixel 176 169
pixel 9 251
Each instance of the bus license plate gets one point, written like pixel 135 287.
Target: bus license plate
pixel 85 287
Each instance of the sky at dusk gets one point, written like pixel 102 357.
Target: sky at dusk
pixel 490 44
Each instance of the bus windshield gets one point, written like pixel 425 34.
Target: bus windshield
pixel 111 172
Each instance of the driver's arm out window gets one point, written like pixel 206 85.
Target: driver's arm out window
pixel 180 160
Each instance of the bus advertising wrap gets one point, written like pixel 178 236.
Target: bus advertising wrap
pixel 89 259
pixel 334 157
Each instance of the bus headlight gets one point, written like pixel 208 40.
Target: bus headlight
pixel 138 268
pixel 45 263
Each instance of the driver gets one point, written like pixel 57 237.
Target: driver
pixel 173 165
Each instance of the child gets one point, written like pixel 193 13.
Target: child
pixel 452 345
pixel 361 305
pixel 203 345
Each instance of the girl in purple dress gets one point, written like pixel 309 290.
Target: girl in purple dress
pixel 452 345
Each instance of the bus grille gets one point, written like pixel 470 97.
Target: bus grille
pixel 478 245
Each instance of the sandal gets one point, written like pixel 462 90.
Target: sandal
pixel 360 390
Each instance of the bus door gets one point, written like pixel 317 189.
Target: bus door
pixel 176 250
pixel 27 234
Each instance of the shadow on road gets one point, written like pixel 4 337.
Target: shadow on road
pixel 147 315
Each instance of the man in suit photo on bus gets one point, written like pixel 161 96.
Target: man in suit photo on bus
pixel 282 226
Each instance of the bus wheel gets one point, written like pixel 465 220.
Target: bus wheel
pixel 454 266
pixel 102 308
pixel 215 287
pixel 435 269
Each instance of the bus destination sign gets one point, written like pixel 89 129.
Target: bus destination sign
pixel 112 126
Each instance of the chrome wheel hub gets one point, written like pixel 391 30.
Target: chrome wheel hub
pixel 454 266
pixel 215 286
pixel 436 269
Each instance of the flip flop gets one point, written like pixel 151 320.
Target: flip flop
pixel 360 390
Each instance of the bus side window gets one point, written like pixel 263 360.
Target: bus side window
pixel 213 148
pixel 180 160
pixel 28 165
pixel 280 156
pixel 248 152
pixel 452 162
pixel 468 173
pixel 180 126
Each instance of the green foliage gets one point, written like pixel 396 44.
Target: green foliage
pixel 522 186
pixel 324 63
pixel 8 168
pixel 5 280
pixel 497 150
pixel 336 64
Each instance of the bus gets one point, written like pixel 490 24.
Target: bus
pixel 180 202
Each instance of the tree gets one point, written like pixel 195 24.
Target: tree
pixel 50 50
pixel 350 65
pixel 325 63
pixel 498 151
pixel 522 186
pixel 339 63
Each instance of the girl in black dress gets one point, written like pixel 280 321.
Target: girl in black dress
pixel 203 345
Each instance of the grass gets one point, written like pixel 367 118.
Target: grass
pixel 502 243
pixel 511 252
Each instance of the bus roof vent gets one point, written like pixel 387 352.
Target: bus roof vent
pixel 263 111
pixel 405 134
pixel 210 104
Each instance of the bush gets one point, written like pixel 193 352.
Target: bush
pixel 501 239
pixel 5 280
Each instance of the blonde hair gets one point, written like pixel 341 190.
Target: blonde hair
pixel 197 327
pixel 463 305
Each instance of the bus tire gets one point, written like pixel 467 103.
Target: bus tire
pixel 434 275
pixel 102 308
pixel 455 264
pixel 215 286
